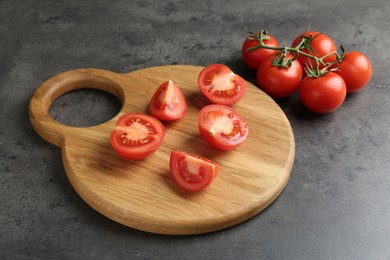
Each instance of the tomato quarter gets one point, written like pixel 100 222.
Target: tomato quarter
pixel 323 94
pixel 222 127
pixel 137 136
pixel 191 172
pixel 220 85
pixel 168 102
pixel 279 82
pixel 254 58
pixel 356 70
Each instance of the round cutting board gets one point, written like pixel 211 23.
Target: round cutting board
pixel 141 194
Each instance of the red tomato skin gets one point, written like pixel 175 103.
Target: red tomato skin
pixel 216 139
pixel 210 169
pixel 323 94
pixel 208 74
pixel 356 70
pixel 143 151
pixel 177 107
pixel 321 46
pixel 279 82
pixel 254 58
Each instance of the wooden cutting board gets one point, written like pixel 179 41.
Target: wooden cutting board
pixel 141 194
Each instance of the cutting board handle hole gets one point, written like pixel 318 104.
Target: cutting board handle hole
pixel 85 107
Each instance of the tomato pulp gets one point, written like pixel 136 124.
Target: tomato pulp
pixel 191 172
pixel 137 136
pixel 222 127
pixel 220 85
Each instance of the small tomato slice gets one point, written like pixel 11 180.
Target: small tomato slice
pixel 192 172
pixel 222 127
pixel 137 136
pixel 220 85
pixel 168 102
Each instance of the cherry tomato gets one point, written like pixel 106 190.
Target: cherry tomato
pixel 254 58
pixel 191 172
pixel 168 102
pixel 356 71
pixel 321 45
pixel 222 127
pixel 323 94
pixel 137 136
pixel 279 82
pixel 220 85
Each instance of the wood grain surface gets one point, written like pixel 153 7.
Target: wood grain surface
pixel 141 194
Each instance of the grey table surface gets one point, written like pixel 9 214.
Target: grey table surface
pixel 336 204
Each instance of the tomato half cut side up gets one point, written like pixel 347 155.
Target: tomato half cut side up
pixel 222 127
pixel 191 172
pixel 137 136
pixel 168 102
pixel 220 85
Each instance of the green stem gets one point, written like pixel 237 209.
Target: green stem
pixel 319 60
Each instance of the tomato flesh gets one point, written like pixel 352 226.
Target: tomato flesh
pixel 222 127
pixel 220 85
pixel 137 136
pixel 168 102
pixel 191 172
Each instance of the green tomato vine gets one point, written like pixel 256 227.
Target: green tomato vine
pixel 284 61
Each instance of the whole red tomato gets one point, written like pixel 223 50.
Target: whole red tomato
pixel 323 94
pixel 254 58
pixel 276 81
pixel 356 71
pixel 320 44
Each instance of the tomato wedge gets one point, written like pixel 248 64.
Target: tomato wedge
pixel 191 172
pixel 137 136
pixel 168 102
pixel 222 127
pixel 220 85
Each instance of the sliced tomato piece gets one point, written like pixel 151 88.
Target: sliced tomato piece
pixel 168 102
pixel 220 85
pixel 222 127
pixel 137 136
pixel 191 172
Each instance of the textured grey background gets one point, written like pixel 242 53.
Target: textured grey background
pixel 337 202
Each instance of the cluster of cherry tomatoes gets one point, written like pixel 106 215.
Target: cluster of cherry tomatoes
pixel 139 135
pixel 311 66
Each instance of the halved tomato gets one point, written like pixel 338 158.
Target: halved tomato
pixel 137 136
pixel 222 127
pixel 220 85
pixel 191 172
pixel 168 102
